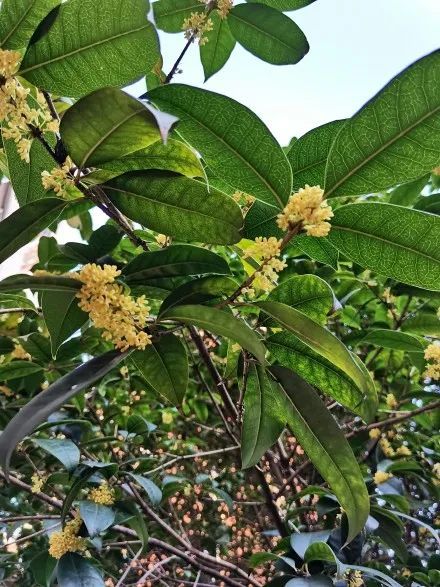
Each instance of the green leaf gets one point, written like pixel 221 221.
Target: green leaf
pixel 285 5
pixel 172 156
pixel 423 323
pixel 429 204
pixel 319 249
pixel 407 193
pixel 394 241
pixel 151 489
pixel 109 124
pixel 174 261
pixel 6 345
pixel 221 323
pixel 308 155
pixel 200 290
pixel 320 551
pixel 216 52
pixel 290 352
pixel 42 567
pixel 42 405
pixel 62 316
pixel 85 49
pixel 319 435
pixel 319 340
pixel 177 206
pixel 18 369
pixel 267 33
pixel 64 450
pixel 390 531
pixel 26 177
pixel 307 293
pixel 20 18
pixel 16 301
pixel 236 145
pixel 43 283
pixel 96 517
pixel 263 418
pixel 164 365
pixel 74 571
pixel 26 223
pixel 392 339
pixel 394 138
pixel 170 14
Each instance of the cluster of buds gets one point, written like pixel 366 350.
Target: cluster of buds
pixel 308 209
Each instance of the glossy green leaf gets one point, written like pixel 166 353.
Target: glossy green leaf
pixel 407 193
pixel 43 283
pixel 26 177
pixel 73 571
pixel 391 240
pixel 319 249
pixel 177 206
pixel 321 438
pixel 151 489
pixel 86 49
pixel 285 5
pixel 42 567
pixel 42 405
pixel 62 449
pixel 62 316
pixel 394 138
pixel 221 323
pixel 429 204
pixel 16 301
pixel 19 19
pixel 109 124
pixel 390 531
pixel 172 156
pixel 320 551
pixel 26 223
pixel 263 417
pixel 290 352
pixel 307 293
pixel 423 323
pixel 392 339
pixel 267 33
pixel 18 369
pixel 174 261
pixel 200 290
pixel 308 155
pixel 164 366
pixel 261 220
pixel 237 146
pixel 216 52
pixel 170 14
pixel 96 517
pixel 318 339
pixel 6 345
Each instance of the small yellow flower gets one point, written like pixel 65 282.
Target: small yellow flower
pixel 432 353
pixel 197 25
pixel 224 7
pixel 121 317
pixel 374 433
pixel 387 296
pixel 391 401
pixel 59 179
pixel 167 417
pixel 268 251
pixel 354 578
pixel 67 540
pixel 381 477
pixel 436 170
pixel 20 353
pixel 38 482
pixel 436 470
pixel 162 240
pixel 386 447
pixel 9 62
pixel 406 573
pixel 403 451
pixel 307 208
pixel 103 495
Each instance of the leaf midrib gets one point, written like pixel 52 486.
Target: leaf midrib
pixel 17 25
pixel 265 33
pixel 385 146
pixel 82 49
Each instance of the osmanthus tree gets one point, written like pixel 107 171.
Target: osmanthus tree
pixel 234 380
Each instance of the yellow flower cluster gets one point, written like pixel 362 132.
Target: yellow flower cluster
pixel 19 353
pixel 386 447
pixel 59 179
pixel 67 540
pixel 387 296
pixel 16 115
pixel 403 451
pixel 224 7
pixel 381 477
pixel 6 391
pixel 196 26
pixel 391 401
pixel 103 495
pixel 308 208
pixel 432 353
pixel 268 250
pixel 374 433
pixel 120 316
pixel 354 578
pixel 436 470
pixel 162 240
pixel 37 483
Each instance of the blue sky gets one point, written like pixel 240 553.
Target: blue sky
pixel 356 46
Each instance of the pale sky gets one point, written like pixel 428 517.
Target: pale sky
pixel 356 46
